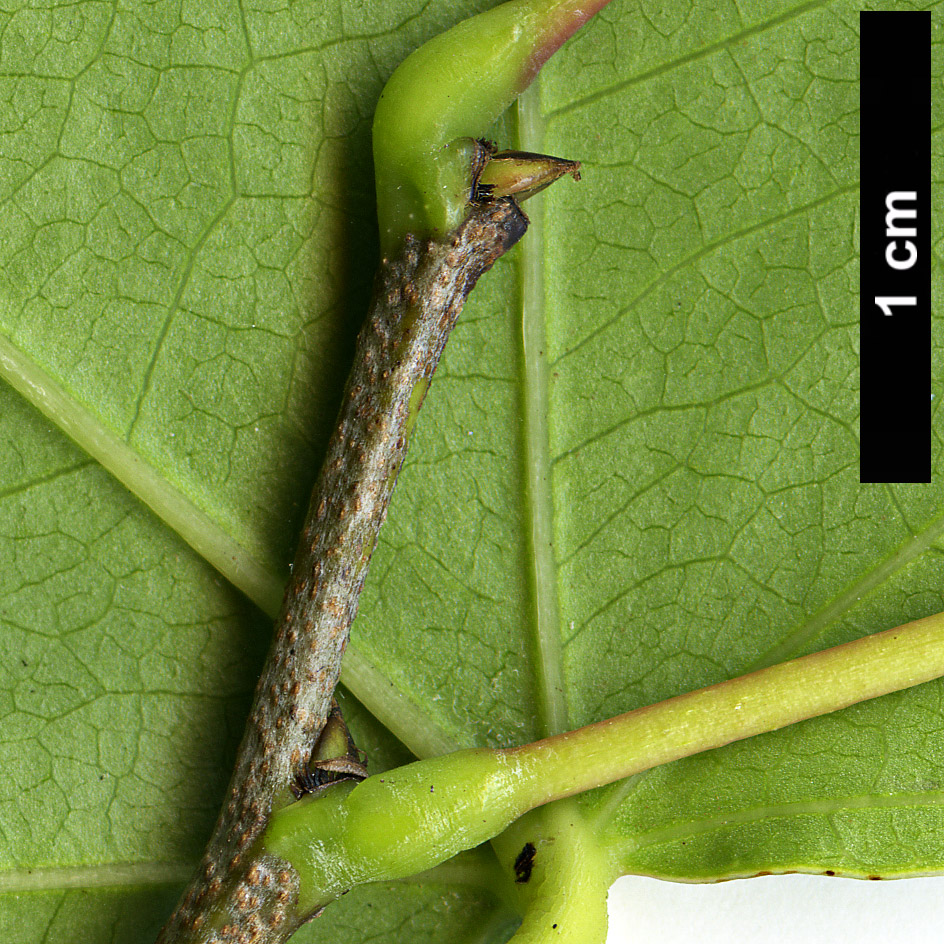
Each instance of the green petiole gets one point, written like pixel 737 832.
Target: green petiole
pixel 407 820
pixel 446 95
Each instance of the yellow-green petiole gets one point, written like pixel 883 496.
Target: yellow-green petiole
pixel 409 819
pixel 444 97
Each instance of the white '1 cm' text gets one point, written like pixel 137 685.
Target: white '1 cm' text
pixel 904 256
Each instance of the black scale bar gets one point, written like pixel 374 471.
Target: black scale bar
pixel 895 222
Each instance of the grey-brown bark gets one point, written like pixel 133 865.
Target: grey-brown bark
pixel 240 894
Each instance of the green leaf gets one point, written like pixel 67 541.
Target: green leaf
pixel 636 473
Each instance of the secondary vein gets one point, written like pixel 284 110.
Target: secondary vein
pixel 102 875
pixel 817 624
pixel 406 720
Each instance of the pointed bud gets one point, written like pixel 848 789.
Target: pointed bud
pixel 520 174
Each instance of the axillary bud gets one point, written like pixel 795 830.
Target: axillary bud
pixel 518 174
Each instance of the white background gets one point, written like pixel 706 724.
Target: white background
pixel 777 909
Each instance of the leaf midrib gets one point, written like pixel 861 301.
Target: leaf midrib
pixel 538 498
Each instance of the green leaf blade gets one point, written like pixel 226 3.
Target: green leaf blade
pixel 187 240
